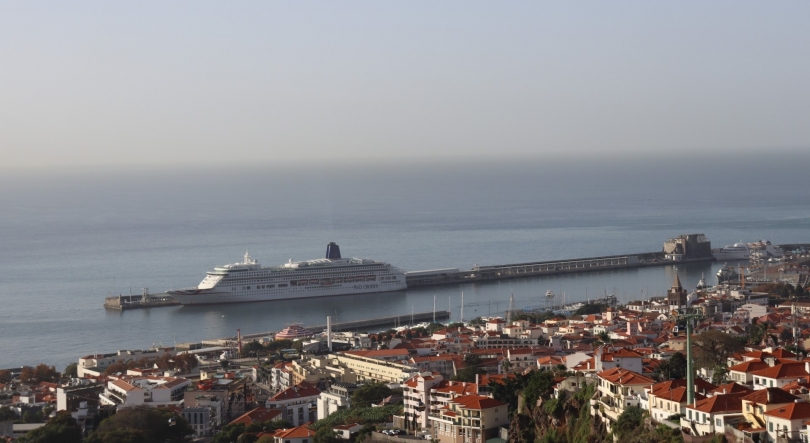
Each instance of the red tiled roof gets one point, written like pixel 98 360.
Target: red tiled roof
pixel 477 402
pixel 300 432
pixel 731 388
pixel 259 414
pixel 302 389
pixel 624 377
pixel 719 403
pixel 769 396
pixel 749 366
pixel 793 411
pixel 783 370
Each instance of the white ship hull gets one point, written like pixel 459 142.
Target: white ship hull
pixel 731 256
pixel 250 282
pixel 208 297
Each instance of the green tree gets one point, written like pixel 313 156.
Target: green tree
pixel 365 432
pixel 157 425
pixel 433 327
pixel 509 390
pixel 591 308
pixel 277 345
pixel 253 346
pixel 473 365
pixel 713 348
pixel 72 371
pixel 477 321
pixel 5 376
pixel 603 337
pixel 40 373
pixel 540 384
pixel 121 367
pixel 230 433
pixel 628 422
pixel 61 429
pixel 119 436
pixel 7 414
pixel 325 434
pixel 719 375
pixel 674 368
pixel 369 394
pixel 757 332
pixel 31 416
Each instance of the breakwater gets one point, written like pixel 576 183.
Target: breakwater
pixel 542 268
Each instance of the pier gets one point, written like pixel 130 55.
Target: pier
pixel 126 302
pixel 540 269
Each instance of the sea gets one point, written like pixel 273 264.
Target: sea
pixel 70 238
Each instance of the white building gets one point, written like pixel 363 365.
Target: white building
pixel 148 391
pixel 200 419
pixel 299 403
pixel 337 397
pixel 94 365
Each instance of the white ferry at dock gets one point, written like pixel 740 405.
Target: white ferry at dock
pixel 249 281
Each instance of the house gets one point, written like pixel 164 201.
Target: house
pixel 520 358
pixel 94 365
pixel 743 373
pixel 708 416
pixel 144 391
pixel 299 434
pixel 608 358
pixel 669 397
pixel 469 418
pixel 757 403
pixel 200 419
pixel 416 393
pixel 787 422
pixel 618 389
pixel 345 431
pixel 779 375
pixel 299 403
pixel 335 398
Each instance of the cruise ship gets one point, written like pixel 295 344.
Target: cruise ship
pixel 738 251
pixel 249 281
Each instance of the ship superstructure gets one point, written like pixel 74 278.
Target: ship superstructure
pixel 248 281
pixel 737 251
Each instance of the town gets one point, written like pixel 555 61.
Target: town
pixel 723 362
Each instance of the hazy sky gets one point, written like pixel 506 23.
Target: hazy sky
pixel 146 83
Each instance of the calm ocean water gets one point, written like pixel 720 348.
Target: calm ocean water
pixel 69 240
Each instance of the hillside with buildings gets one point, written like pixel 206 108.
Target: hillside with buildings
pixel 687 367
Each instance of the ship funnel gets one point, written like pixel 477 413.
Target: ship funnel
pixel 332 251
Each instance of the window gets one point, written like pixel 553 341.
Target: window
pixel 717 421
